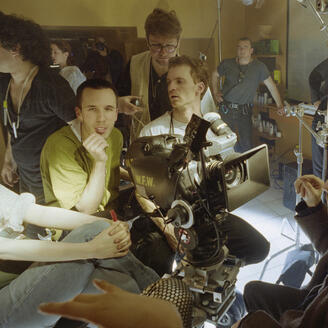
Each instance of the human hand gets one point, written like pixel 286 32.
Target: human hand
pixel 236 324
pixel 281 111
pixel 219 96
pixel 126 106
pixel 96 145
pixel 117 308
pixel 170 236
pixel 316 104
pixel 310 189
pixel 111 242
pixel 9 174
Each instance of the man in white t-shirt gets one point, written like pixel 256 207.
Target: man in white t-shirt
pixel 187 82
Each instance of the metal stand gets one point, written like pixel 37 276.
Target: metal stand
pixel 296 244
pixel 322 139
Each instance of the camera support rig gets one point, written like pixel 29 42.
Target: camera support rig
pixel 197 192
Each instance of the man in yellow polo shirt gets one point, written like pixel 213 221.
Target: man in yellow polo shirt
pixel 80 164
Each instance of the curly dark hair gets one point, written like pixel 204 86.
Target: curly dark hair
pixel 162 22
pixel 26 36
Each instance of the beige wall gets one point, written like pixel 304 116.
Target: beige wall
pixel 197 16
pixel 274 13
pixel 233 26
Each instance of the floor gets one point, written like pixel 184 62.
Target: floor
pixel 268 215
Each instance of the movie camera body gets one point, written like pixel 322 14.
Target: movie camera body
pixel 197 192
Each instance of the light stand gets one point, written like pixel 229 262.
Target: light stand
pixel 296 244
pixel 321 139
pixel 298 111
pixel 323 25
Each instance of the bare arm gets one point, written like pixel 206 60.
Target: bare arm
pixel 149 207
pixel 124 174
pixel 275 94
pixel 215 86
pixel 94 190
pixel 111 242
pixel 9 170
pixel 56 217
pixel 117 308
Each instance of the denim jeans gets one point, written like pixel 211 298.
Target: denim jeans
pixel 58 282
pixel 240 122
pixel 317 151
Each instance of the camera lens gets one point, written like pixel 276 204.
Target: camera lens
pixel 234 175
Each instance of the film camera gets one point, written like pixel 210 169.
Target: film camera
pixel 197 191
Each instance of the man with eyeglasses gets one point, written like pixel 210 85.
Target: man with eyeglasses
pixel 145 75
pixel 243 75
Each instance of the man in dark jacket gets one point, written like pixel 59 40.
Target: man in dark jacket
pixel 271 305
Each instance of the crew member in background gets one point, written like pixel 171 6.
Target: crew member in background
pixel 102 62
pixel 61 54
pixel 145 74
pixel 36 101
pixel 243 75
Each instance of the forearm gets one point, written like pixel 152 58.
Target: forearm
pixel 315 225
pixel 43 250
pixel 124 174
pixel 215 82
pixel 94 190
pixel 275 94
pixel 149 207
pixel 8 158
pixel 55 217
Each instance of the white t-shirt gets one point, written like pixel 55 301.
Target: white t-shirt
pixel 73 75
pixel 12 211
pixel 163 125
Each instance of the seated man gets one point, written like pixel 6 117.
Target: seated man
pixel 80 164
pixel 96 248
pixel 277 306
pixel 187 82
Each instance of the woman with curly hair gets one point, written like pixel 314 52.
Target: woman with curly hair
pixel 61 54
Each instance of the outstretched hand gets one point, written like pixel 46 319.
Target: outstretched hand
pixel 310 189
pixel 117 308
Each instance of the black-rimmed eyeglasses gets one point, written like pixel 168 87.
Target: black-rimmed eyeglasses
pixel 157 47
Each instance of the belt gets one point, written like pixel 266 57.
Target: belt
pixel 238 106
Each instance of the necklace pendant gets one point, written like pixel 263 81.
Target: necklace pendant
pixel 15 130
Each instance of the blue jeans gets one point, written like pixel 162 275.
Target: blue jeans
pixel 240 122
pixel 317 151
pixel 58 282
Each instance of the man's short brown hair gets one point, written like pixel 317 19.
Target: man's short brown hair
pixel 245 38
pixel 198 69
pixel 162 22
pixel 96 84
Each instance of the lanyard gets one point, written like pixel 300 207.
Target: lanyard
pixel 6 116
